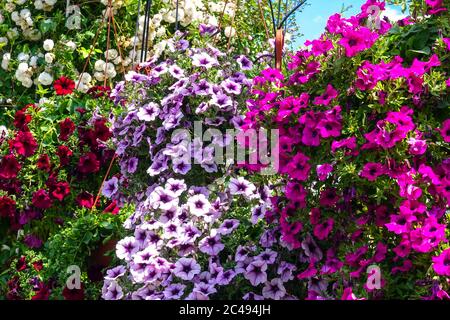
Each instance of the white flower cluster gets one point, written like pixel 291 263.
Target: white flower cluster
pixel 84 82
pixel 189 11
pixel 24 73
pixel 108 69
pixel 24 20
pixel 116 4
pixel 45 5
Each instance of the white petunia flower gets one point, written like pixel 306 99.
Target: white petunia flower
pixel 48 45
pixel 45 79
pixel 5 61
pixel 230 32
pixel 71 45
pixel 49 57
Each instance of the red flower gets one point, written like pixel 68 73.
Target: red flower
pixel 11 186
pixel 41 199
pixel 21 264
pixel 99 91
pixel 85 199
pixel 112 208
pixel 14 288
pixel 101 130
pixel 66 128
pixel 9 167
pixel 37 265
pixel 88 137
pixel 22 119
pixel 60 190
pixel 7 207
pixel 73 294
pixel 64 86
pixel 24 144
pixel 64 154
pixel 81 111
pixel 43 163
pixel 43 292
pixel 88 163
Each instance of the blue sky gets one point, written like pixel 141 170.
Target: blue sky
pixel 312 20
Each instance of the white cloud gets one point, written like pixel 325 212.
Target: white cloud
pixel 393 14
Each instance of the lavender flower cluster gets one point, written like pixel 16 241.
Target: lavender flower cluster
pixel 190 230
pixel 185 85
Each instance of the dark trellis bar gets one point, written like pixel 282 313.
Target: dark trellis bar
pixel 145 33
pixel 176 15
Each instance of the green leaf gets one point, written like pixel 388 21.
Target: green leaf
pixel 87 237
pixel 425 51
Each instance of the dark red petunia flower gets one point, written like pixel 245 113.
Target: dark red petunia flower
pixel 66 128
pixel 99 91
pixel 88 137
pixel 101 130
pixel 41 199
pixel 60 190
pixel 88 163
pixel 64 154
pixel 9 167
pixel 22 119
pixel 38 265
pixel 43 163
pixel 21 264
pixel 24 144
pixel 43 293
pixel 81 111
pixel 112 208
pixel 85 199
pixel 14 288
pixel 11 186
pixel 73 294
pixel 7 207
pixel 64 86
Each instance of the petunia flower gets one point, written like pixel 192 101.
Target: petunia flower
pixel 186 268
pixel 325 99
pixel 274 289
pixel 256 272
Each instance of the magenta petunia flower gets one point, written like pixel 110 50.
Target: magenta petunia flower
pixel 323 170
pixel 441 263
pixel 311 136
pixel 445 130
pixel 417 146
pixel 355 41
pixel 372 170
pixel 329 128
pixel 321 231
pixel 400 223
pixel 325 99
pixel 328 197
pixel 298 168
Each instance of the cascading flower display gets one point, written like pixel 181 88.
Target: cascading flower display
pixel 364 157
